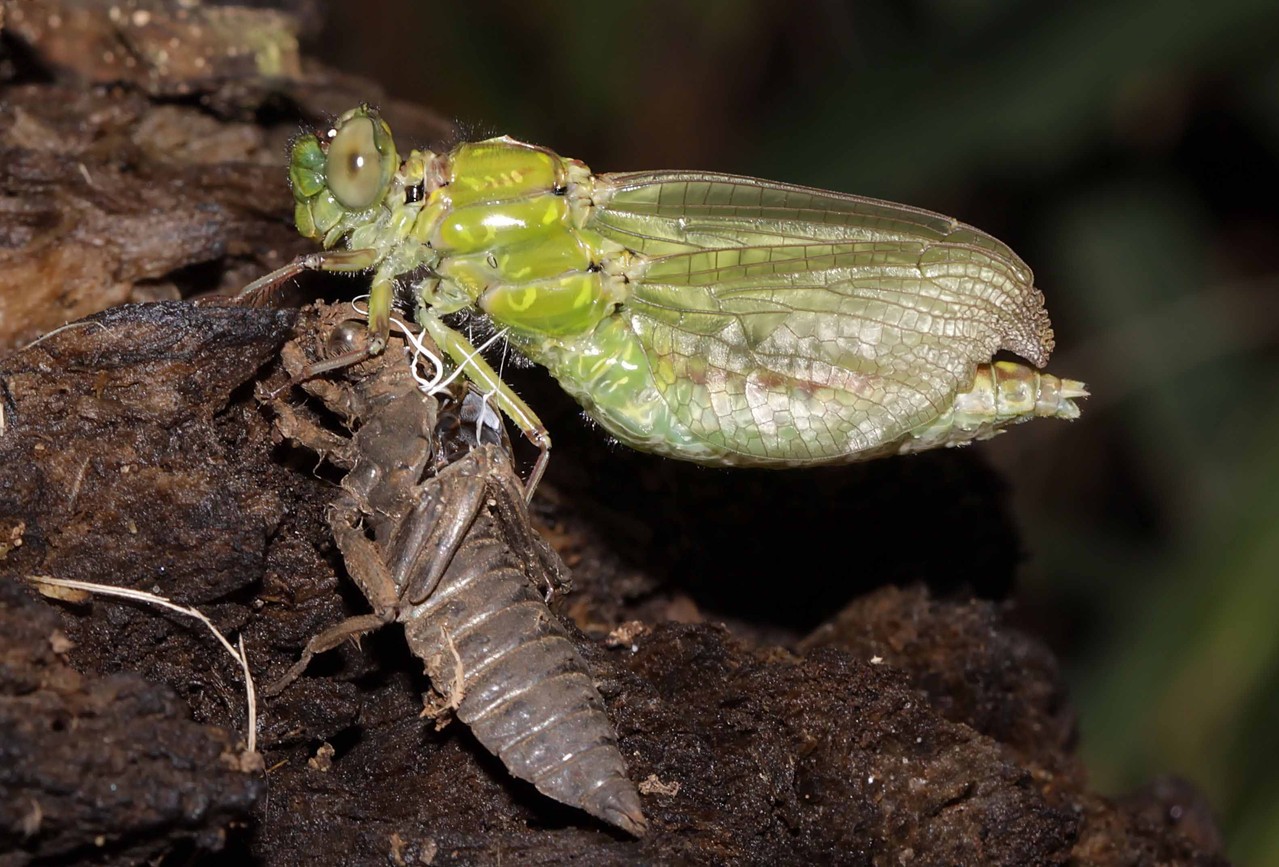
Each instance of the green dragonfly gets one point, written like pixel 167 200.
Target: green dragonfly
pixel 708 317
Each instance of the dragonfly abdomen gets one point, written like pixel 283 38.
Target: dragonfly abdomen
pixel 1003 393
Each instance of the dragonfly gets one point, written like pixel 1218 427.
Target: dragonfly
pixel 713 318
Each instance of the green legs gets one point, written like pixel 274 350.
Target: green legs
pixel 480 372
pixel 261 292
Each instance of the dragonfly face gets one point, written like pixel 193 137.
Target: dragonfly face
pixel 707 317
pixel 340 176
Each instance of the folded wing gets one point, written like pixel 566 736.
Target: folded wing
pixel 794 325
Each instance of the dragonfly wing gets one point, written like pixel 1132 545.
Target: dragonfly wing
pixel 792 325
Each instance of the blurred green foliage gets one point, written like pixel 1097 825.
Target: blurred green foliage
pixel 1126 150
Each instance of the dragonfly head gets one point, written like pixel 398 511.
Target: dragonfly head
pixel 341 173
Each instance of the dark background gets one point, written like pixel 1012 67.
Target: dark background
pixel 1128 150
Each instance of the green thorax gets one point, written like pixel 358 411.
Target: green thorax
pixel 503 218
pixel 495 224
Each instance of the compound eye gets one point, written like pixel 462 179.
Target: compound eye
pixel 349 337
pixel 354 166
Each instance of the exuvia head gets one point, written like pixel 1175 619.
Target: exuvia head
pixel 341 173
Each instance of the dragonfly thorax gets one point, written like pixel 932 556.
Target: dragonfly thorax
pixel 502 220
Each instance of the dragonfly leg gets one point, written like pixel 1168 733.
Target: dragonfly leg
pixel 314 369
pixel 480 372
pixel 436 528
pixel 539 466
pixel 381 299
pixel 379 329
pixel 365 565
pixel 263 291
pixel 507 495
pixel 351 628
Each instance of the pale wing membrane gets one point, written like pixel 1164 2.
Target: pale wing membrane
pixel 803 325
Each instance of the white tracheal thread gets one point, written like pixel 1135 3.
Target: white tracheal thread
pixel 438 382
pixel 483 416
pixel 470 356
pixel 428 386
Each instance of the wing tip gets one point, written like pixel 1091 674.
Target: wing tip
pixel 1032 334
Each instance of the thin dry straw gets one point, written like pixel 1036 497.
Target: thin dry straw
pixel 240 656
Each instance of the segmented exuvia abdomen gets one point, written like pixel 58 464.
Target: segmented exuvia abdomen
pixel 526 692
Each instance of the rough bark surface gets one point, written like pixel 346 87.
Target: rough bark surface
pixel 914 727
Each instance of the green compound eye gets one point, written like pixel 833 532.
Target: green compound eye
pixel 354 165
